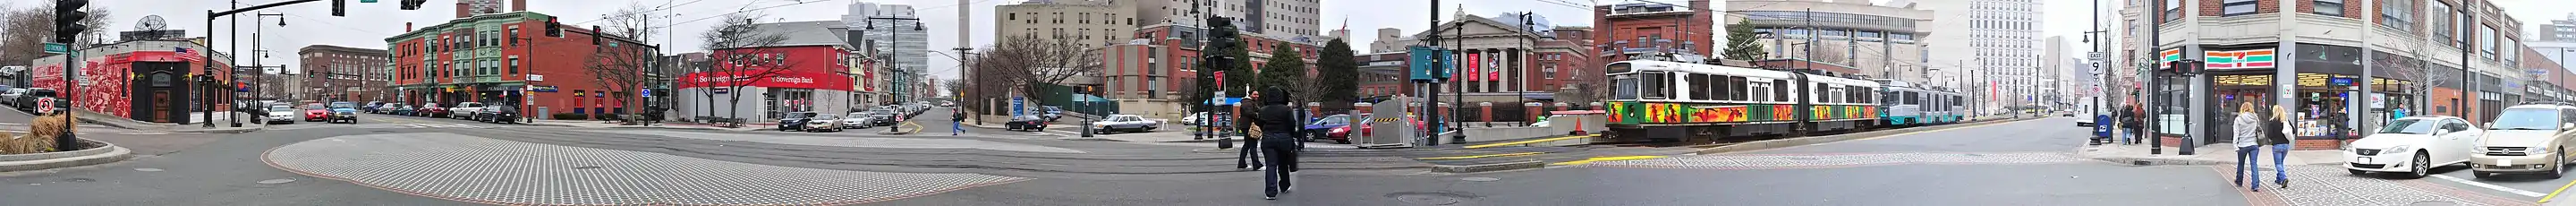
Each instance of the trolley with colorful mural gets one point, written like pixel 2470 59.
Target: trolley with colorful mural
pixel 1674 101
pixel 1908 104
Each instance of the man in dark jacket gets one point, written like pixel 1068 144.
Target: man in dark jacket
pixel 956 121
pixel 2130 125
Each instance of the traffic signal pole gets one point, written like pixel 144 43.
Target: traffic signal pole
pixel 67 27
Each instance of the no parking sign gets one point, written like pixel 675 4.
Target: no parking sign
pixel 44 105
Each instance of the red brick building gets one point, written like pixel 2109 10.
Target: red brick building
pixel 140 80
pixel 505 58
pixel 1162 60
pixel 1624 30
pixel 342 74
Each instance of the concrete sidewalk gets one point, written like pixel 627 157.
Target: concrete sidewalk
pixel 2214 154
pixel 605 124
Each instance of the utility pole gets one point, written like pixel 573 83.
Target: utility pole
pixel 2155 50
pixel 1432 95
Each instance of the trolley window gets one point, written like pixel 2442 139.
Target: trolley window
pixel 1910 98
pixel 1623 86
pixel 1780 92
pixel 1735 88
pixel 1657 85
pixel 1699 88
pixel 1761 92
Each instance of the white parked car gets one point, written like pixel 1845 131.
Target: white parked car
pixel 2413 146
pixel 464 110
pixel 1123 122
pixel 859 120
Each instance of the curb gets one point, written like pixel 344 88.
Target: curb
pixel 94 156
pixel 1488 167
pixel 1801 141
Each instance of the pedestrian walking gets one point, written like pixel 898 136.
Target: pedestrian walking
pixel 1275 123
pixel 956 121
pixel 1250 150
pixel 2279 139
pixel 2247 130
pixel 2128 126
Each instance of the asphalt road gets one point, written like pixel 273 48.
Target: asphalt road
pixel 2017 163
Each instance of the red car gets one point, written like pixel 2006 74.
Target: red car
pixel 316 115
pixel 1343 134
pixel 430 110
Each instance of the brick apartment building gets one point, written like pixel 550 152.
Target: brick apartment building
pixel 500 58
pixel 337 74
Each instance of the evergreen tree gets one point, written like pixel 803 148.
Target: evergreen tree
pixel 1338 79
pixel 1739 42
pixel 1285 69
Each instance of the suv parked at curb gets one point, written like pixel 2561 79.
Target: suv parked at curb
pixel 2530 138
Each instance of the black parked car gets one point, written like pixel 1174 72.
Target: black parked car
pixel 794 121
pixel 503 114
pixel 1027 123
pixel 27 102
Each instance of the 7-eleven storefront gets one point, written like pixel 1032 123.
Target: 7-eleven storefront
pixel 762 99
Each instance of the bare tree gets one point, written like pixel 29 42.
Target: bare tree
pixel 622 69
pixel 743 55
pixel 1025 62
pixel 29 28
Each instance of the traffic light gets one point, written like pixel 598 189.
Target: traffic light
pixel 413 4
pixel 339 7
pixel 2184 67
pixel 67 18
pixel 553 28
pixel 594 34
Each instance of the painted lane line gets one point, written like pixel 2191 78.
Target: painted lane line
pixel 1600 159
pixel 2490 186
pixel 1530 141
pixel 1482 156
pixel 2554 193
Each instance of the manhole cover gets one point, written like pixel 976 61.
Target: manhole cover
pixel 79 180
pixel 276 181
pixel 148 169
pixel 2433 203
pixel 585 167
pixel 1479 179
pixel 1429 198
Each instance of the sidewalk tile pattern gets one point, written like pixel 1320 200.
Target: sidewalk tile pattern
pixel 2330 185
pixel 489 171
pixel 1798 161
pixel 832 141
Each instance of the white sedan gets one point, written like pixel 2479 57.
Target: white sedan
pixel 2413 145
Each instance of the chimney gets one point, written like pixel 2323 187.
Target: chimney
pixel 406 27
pixel 518 5
pixel 461 10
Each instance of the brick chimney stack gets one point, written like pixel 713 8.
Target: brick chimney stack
pixel 518 5
pixel 461 10
pixel 406 27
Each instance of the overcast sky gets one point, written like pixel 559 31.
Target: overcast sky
pixel 368 23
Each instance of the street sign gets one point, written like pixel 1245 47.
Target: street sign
pixel 44 105
pixel 536 78
pixel 366 1
pixel 720 90
pixel 645 92
pixel 57 48
pixel 2095 56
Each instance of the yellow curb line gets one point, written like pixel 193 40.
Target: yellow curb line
pixel 1530 141
pixel 2554 194
pixel 1481 156
pixel 1614 158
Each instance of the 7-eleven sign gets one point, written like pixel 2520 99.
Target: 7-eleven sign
pixel 2241 59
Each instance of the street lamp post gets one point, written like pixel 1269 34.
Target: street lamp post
pixel 893 55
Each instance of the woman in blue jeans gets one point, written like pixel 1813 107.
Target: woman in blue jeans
pixel 2280 140
pixel 2247 128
